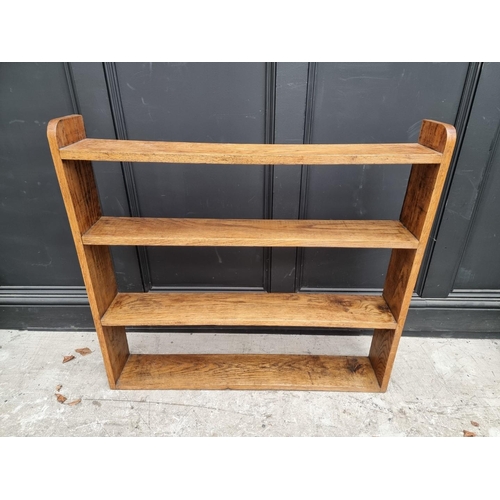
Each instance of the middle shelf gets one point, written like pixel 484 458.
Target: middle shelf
pixel 146 231
pixel 249 309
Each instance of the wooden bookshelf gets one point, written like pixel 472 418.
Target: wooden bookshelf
pixel 112 312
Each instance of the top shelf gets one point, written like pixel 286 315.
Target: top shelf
pixel 249 154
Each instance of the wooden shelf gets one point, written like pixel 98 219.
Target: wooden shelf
pixel 72 153
pixel 249 309
pixel 248 372
pixel 249 154
pixel 249 232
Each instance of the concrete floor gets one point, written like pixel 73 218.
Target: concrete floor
pixel 438 386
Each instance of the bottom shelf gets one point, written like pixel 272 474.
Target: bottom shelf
pixel 248 372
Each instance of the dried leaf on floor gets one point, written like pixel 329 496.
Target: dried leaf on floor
pixel 75 402
pixel 68 358
pixel 83 351
pixel 475 424
pixel 59 387
pixel 60 398
pixel 469 434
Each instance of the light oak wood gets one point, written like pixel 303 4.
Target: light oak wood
pixel 113 311
pixel 249 154
pixel 383 353
pixel 248 372
pixel 78 188
pixel 249 309
pixel 249 232
pixel 419 208
pixel 423 193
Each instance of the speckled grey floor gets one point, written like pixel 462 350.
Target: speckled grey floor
pixel 438 386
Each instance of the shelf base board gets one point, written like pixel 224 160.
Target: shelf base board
pixel 249 372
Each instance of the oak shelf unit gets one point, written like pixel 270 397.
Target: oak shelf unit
pixel 72 153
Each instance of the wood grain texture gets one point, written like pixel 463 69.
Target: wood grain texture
pixel 249 372
pixel 249 309
pixel 92 233
pixel 383 348
pixel 79 191
pixel 249 154
pixel 249 232
pixel 422 197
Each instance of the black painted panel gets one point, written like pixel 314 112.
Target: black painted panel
pixel 344 268
pixel 463 218
pixel 480 266
pixel 206 103
pixel 291 92
pixel 366 103
pixel 227 102
pixel 93 102
pixel 36 247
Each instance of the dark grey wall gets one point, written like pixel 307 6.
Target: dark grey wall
pixel 467 252
pixel 35 241
pixel 366 103
pixel 40 281
pixel 199 103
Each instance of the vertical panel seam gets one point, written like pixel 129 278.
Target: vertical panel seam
pixel 269 138
pixel 70 79
pixel 304 176
pixel 119 123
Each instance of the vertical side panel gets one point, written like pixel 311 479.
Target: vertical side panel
pixel 419 208
pixel 422 197
pixel 382 350
pixel 81 200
